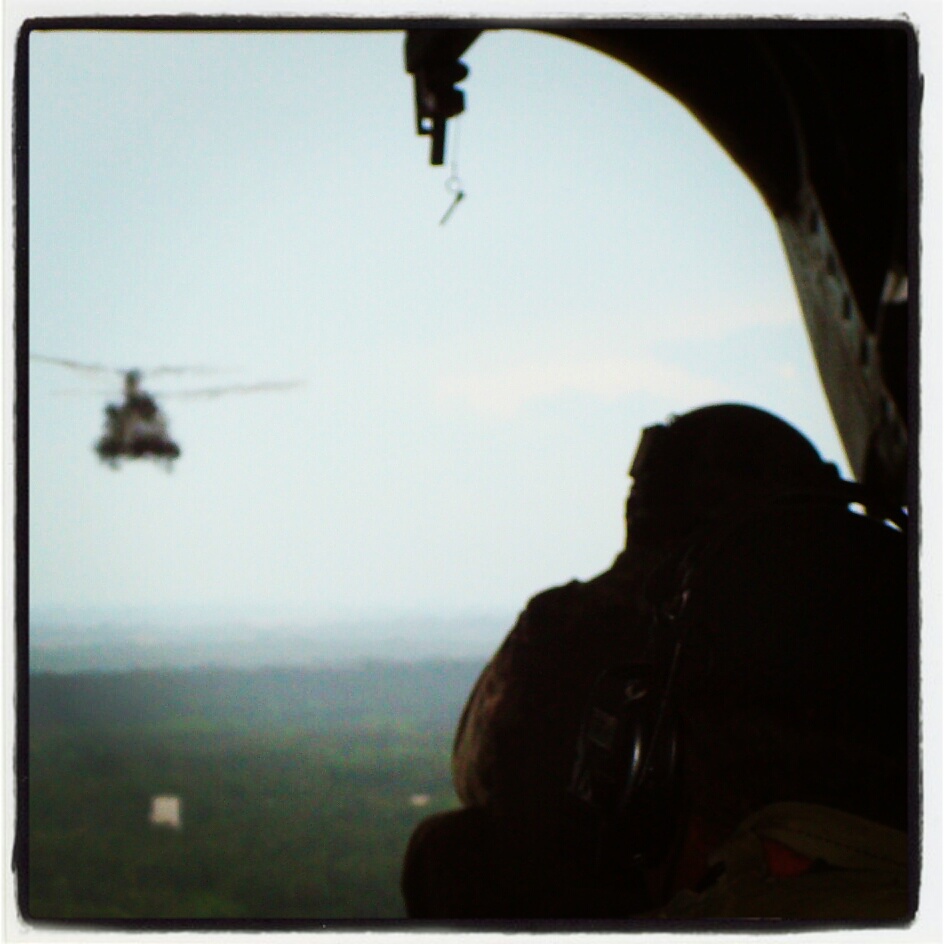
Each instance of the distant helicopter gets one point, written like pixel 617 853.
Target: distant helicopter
pixel 137 428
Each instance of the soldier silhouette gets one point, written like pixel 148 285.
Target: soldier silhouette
pixel 788 700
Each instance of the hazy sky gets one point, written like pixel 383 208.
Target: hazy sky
pixel 473 393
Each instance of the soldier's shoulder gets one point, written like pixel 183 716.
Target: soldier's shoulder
pixel 581 598
pixel 557 599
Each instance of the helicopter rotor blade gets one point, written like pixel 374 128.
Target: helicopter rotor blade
pixel 101 368
pixel 76 365
pixel 194 369
pixel 210 392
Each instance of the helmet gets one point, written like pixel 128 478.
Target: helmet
pixel 704 463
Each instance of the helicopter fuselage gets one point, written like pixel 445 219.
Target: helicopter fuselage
pixel 135 429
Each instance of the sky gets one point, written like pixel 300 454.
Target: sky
pixel 472 393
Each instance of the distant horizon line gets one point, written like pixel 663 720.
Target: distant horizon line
pixel 263 613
